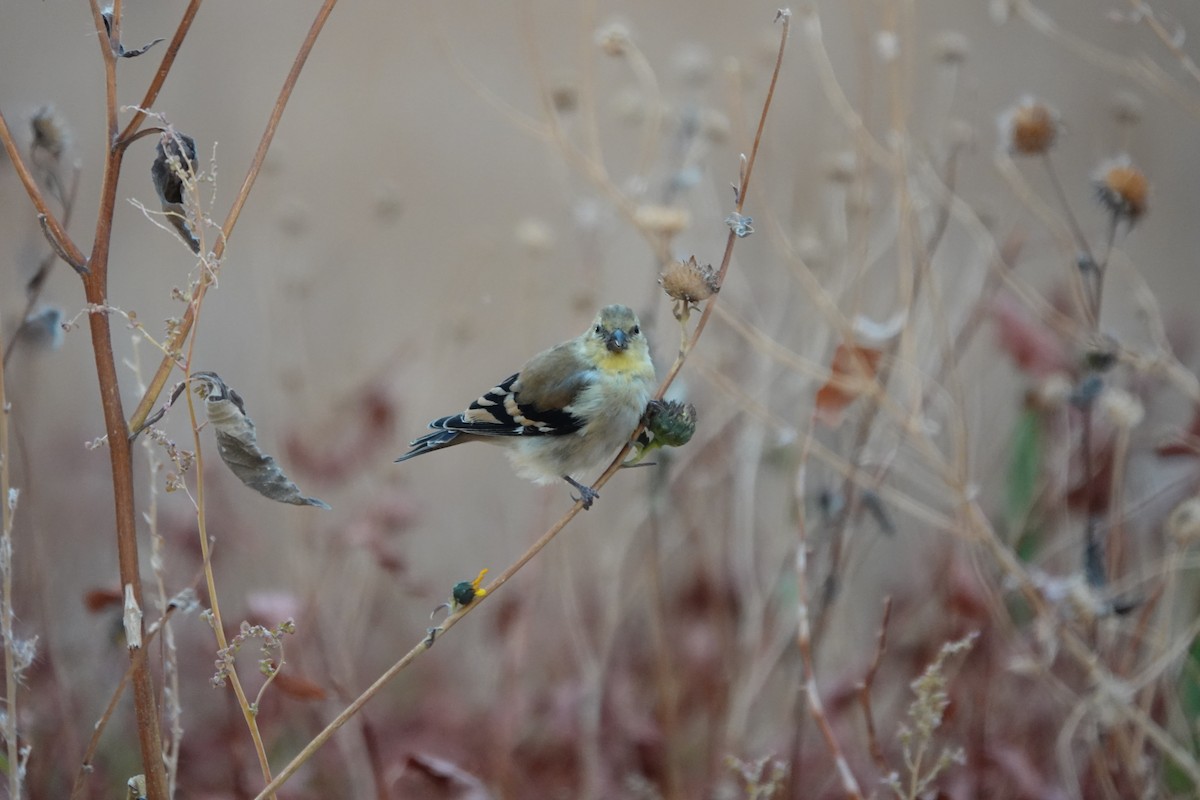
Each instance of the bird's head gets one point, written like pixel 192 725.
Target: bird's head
pixel 616 328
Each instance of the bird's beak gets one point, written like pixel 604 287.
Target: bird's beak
pixel 617 341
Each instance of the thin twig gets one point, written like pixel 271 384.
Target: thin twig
pixel 816 707
pixel 864 690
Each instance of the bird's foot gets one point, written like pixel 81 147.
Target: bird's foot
pixel 587 495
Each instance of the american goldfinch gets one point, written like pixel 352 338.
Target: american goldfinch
pixel 569 408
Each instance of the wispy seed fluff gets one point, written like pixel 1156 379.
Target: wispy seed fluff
pixel 1028 128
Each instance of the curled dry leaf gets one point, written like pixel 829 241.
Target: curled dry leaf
pixel 107 16
pixel 851 374
pixel 174 165
pixel 237 442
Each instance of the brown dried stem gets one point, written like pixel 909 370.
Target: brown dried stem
pixel 95 285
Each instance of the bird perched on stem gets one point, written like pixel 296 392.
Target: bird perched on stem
pixel 569 408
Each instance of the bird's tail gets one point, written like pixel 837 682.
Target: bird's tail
pixel 437 440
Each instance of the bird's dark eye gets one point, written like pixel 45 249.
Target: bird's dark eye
pixel 635 330
pixel 599 330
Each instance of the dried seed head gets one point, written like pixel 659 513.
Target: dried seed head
pixel 693 63
pixel 1054 392
pixel 689 281
pixel 714 126
pixel 49 132
pixel 951 48
pixel 841 167
pixel 1183 526
pixel 535 236
pixel 614 39
pixel 564 98
pixel 1029 128
pixel 670 423
pixel 629 106
pixel 1127 107
pixel 1122 188
pixel 1102 353
pixel 1125 410
pixel 388 203
pixel 664 220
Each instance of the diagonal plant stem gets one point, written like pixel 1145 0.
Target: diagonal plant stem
pixel 342 718
pixel 175 345
pixel 54 227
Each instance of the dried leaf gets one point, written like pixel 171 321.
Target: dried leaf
pixel 298 688
pixel 96 600
pixel 851 374
pixel 176 159
pixel 107 16
pixel 238 444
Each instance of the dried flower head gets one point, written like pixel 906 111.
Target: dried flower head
pixel 841 167
pixel 1053 392
pixel 1127 107
pixel 1125 410
pixel 714 126
pixel 465 592
pixel 629 106
pixel 689 281
pixel 693 63
pixel 535 235
pixel 664 220
pixel 564 97
pixel 1101 353
pixel 1122 188
pixel 1029 128
pixel 951 48
pixel 614 39
pixel 1183 526
pixel 49 132
pixel 670 423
